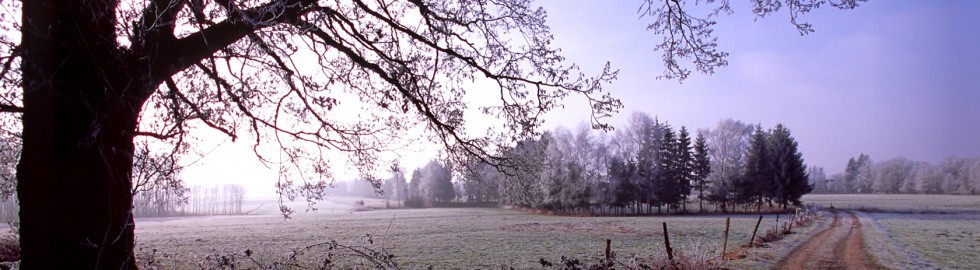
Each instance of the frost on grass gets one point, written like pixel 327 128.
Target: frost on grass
pixel 328 254
pixel 697 255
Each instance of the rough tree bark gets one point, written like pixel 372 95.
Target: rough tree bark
pixel 77 156
pixel 83 94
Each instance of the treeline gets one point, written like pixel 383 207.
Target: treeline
pixel 954 175
pixel 431 185
pixel 157 188
pixel 165 201
pixel 215 200
pixel 160 201
pixel 645 167
pixel 197 200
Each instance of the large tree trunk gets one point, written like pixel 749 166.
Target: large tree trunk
pixel 74 174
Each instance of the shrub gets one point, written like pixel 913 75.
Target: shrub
pixel 9 249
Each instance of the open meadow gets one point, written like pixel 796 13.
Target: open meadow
pixel 443 238
pixel 898 232
pixel 905 203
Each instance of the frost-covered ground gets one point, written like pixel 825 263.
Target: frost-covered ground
pixel 457 238
pixel 914 231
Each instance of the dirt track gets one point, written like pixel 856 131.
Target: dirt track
pixel 837 247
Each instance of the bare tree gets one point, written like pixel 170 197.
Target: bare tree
pixel 689 35
pixel 727 145
pixel 859 176
pixel 891 176
pixel 157 187
pixel 818 178
pixel 286 72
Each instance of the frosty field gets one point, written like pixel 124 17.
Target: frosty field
pixel 904 236
pixel 444 238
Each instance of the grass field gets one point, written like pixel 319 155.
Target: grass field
pixel 898 202
pixel 444 238
pixel 928 231
pixel 903 231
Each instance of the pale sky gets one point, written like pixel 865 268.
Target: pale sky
pixel 890 78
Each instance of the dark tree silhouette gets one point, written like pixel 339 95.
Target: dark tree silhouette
pixel 96 74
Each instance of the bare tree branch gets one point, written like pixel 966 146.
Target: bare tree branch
pixel 8 108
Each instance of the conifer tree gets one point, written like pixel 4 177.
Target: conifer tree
pixel 789 172
pixel 648 158
pixel 701 168
pixel 666 189
pixel 685 165
pixel 621 187
pixel 754 184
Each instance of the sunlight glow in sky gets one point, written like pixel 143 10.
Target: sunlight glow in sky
pixel 890 78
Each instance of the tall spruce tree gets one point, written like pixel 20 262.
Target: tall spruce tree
pixel 685 166
pixel 623 188
pixel 701 168
pixel 754 184
pixel 648 167
pixel 789 172
pixel 666 181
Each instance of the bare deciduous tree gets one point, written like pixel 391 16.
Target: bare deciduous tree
pixel 688 35
pixel 308 77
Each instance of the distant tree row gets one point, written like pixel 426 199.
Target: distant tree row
pixel 645 165
pixel 954 175
pixel 157 188
pixel 216 200
pixel 431 185
pixel 197 200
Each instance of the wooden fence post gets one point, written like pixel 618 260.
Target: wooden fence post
pixel 670 252
pixel 724 247
pixel 793 220
pixel 608 250
pixel 752 240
